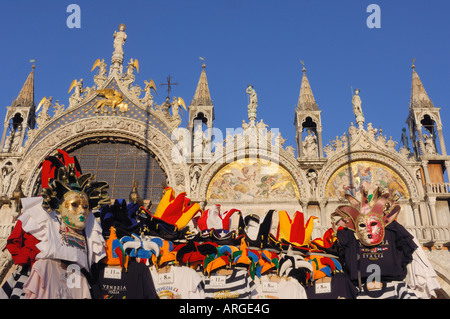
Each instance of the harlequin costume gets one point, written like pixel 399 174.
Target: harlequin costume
pixel 62 249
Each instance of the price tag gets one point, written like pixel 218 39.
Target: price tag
pixel 323 287
pixel 270 286
pixel 113 273
pixel 166 278
pixel 217 280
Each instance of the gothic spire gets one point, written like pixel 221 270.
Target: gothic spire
pixel 26 95
pixel 306 101
pixel 419 97
pixel 202 96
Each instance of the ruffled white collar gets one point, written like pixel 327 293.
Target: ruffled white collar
pixel 46 227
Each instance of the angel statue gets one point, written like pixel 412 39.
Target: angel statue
pixel 129 76
pixel 101 67
pixel 43 116
pixel 76 96
pixel 176 106
pixel 147 100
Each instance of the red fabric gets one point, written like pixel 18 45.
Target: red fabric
pixel 22 246
pixel 51 163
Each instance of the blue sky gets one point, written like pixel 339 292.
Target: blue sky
pixel 244 42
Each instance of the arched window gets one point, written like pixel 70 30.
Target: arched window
pixel 121 164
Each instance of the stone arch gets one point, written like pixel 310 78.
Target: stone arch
pixel 94 128
pixel 345 159
pixel 407 179
pixel 285 160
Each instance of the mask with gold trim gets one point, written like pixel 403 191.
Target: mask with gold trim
pixel 369 217
pixel 69 192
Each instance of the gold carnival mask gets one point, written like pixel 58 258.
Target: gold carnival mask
pixel 368 217
pixel 74 210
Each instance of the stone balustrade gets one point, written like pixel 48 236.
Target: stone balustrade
pixel 438 188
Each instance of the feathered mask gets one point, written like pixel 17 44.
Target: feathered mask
pixel 61 174
pixel 368 217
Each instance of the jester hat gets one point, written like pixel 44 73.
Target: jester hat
pixel 369 216
pixel 268 262
pixel 167 255
pixel 176 210
pixel 214 262
pixel 257 232
pixel 293 264
pixel 120 215
pixel 293 231
pixel 323 266
pixel 115 254
pixel 143 248
pixel 61 174
pixel 214 219
pixel 192 254
pixel 326 242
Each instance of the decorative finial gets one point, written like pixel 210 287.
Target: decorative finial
pixel 413 66
pixel 303 63
pixel 34 63
pixel 203 59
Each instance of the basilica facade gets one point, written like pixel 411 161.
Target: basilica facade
pixel 120 134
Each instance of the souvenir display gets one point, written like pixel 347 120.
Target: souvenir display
pixel 373 246
pixel 61 229
pixel 183 252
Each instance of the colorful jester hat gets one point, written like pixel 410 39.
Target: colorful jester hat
pixel 323 266
pixel 214 219
pixel 142 248
pixel 115 254
pixel 192 254
pixel 294 232
pixel 246 258
pixel 268 262
pixel 167 255
pixel 326 241
pixel 257 232
pixel 176 210
pixel 61 174
pixel 368 217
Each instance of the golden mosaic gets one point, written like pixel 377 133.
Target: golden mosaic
pixel 250 179
pixel 350 177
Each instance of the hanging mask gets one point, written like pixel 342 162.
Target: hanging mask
pixel 74 210
pixel 69 192
pixel 370 228
pixel 368 217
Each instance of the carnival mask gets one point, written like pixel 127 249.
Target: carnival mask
pixel 370 229
pixel 368 218
pixel 74 210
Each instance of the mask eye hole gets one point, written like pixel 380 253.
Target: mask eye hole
pixel 75 205
pixel 373 224
pixel 362 225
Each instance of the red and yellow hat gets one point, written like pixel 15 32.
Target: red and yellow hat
pixel 176 210
pixel 294 231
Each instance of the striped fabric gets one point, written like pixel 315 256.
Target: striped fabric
pixel 238 285
pixel 13 286
pixel 390 290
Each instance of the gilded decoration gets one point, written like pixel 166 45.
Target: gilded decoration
pixel 349 179
pixel 252 179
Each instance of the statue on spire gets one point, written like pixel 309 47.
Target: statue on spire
pixel 356 101
pixel 119 40
pixel 253 103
